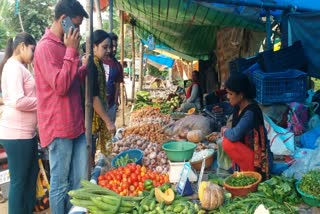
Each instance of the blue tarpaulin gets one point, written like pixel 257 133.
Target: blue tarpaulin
pixel 160 59
pixel 306 27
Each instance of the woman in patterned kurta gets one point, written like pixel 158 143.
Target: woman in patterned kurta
pixel 102 126
pixel 246 141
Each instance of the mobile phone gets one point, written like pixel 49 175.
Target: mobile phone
pixel 67 24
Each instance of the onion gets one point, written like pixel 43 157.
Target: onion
pixel 159 169
pixel 152 155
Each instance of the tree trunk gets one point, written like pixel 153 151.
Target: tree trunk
pixel 88 88
pixel 98 11
pixel 121 60
pixel 141 67
pixel 133 64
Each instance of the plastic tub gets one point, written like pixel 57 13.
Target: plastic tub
pixel 179 151
pixel 307 198
pixel 133 153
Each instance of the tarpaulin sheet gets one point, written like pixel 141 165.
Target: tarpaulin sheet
pixel 184 26
pixel 160 59
pixel 306 27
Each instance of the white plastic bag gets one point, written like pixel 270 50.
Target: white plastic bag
pixel 281 140
pixel 305 161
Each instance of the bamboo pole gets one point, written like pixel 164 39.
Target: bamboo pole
pixel 133 65
pixel 88 88
pixel 110 15
pixel 141 67
pixel 98 11
pixel 122 88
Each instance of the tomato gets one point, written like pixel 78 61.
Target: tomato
pixel 152 175
pixel 134 177
pixel 136 184
pixel 131 188
pixel 143 169
pixel 129 180
pixel 140 186
pixel 127 171
pixel 109 186
pixel 124 185
pixel 118 177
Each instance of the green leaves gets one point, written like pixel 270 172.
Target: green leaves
pixel 310 183
pixel 36 15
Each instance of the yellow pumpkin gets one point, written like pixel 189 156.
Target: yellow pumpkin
pixel 167 197
pixel 210 195
pixel 191 111
pixel 195 136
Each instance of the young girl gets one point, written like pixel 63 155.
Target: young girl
pixel 18 122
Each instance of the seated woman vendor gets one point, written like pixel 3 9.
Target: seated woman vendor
pixel 246 141
pixel 193 95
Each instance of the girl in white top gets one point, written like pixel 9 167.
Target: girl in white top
pixel 18 122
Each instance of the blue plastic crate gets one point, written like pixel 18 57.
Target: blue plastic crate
pixel 280 87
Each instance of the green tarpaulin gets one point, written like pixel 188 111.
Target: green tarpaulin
pixel 183 25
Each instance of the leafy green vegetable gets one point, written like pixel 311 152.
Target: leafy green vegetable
pixel 310 183
pixel 240 180
pixel 280 189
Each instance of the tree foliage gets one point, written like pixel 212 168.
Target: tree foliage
pixel 36 15
pixel 7 28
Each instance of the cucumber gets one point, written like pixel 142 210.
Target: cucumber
pixel 103 206
pixel 89 185
pixel 81 203
pixel 125 209
pixel 152 205
pixel 82 195
pixel 178 209
pixel 145 207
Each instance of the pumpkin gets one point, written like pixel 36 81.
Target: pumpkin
pixel 195 136
pixel 191 111
pixel 210 195
pixel 167 197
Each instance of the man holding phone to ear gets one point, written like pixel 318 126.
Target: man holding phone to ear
pixel 59 110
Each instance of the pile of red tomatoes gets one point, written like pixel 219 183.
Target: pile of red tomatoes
pixel 129 180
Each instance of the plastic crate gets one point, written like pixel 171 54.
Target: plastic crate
pixel 241 64
pixel 280 87
pixel 291 57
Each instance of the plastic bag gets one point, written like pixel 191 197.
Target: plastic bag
pixel 224 161
pixel 281 140
pixel 309 139
pixel 188 123
pixel 42 190
pixel 310 160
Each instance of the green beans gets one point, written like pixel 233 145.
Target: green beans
pixel 124 160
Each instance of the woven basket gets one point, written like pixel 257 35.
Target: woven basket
pixel 243 190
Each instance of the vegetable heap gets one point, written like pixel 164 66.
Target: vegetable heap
pixel 99 200
pixel 129 180
pixel 277 194
pixel 310 183
pixel 240 180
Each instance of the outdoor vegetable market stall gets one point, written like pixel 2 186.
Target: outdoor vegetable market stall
pixel 156 169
